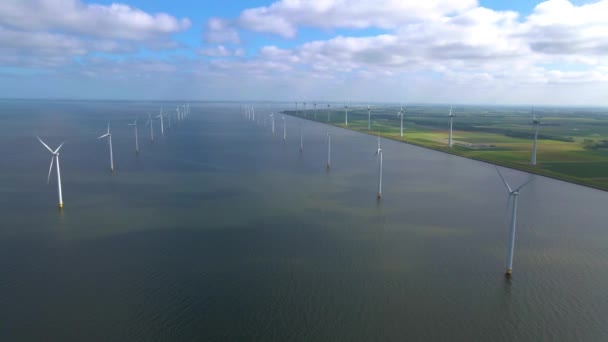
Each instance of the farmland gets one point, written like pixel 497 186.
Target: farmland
pixel 572 143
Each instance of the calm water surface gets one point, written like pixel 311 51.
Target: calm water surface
pixel 220 231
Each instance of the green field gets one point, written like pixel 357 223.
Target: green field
pixel 572 144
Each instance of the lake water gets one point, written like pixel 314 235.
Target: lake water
pixel 220 231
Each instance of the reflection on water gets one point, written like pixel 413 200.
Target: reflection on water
pixel 219 230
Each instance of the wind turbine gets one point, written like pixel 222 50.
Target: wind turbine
pixel 151 128
pixel 513 194
pixel 328 150
pixel 284 130
pixel 379 153
pixel 162 126
pixel 400 113
pixel 346 115
pixel 55 158
pixel 134 124
pixel 272 116
pixel 109 136
pixel 451 116
pixel 369 118
pixel 536 123
pixel 378 149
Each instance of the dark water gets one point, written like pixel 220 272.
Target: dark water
pixel 220 231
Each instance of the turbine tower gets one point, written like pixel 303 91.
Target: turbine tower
pixel 272 116
pixel 301 140
pixel 109 136
pixel 451 117
pixel 328 150
pixel 380 174
pixel 151 128
pixel 346 115
pixel 134 124
pixel 284 130
pixel 55 158
pixel 162 126
pixel 513 194
pixel 369 118
pixel 401 114
pixel 536 124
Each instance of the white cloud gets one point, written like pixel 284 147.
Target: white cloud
pixel 221 31
pixel 221 51
pixel 284 17
pixel 46 33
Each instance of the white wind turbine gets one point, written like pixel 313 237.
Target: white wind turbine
pixel 151 128
pixel 401 114
pixel 345 115
pixel 272 116
pixel 379 153
pixel 513 194
pixel 451 116
pixel 55 158
pixel 284 130
pixel 109 136
pixel 536 123
pixel 162 126
pixel 134 124
pixel 328 150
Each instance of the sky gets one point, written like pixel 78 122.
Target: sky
pixel 515 52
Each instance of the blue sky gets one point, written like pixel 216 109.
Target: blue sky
pixel 436 51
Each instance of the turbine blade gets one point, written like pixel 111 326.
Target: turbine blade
pixel 45 145
pixel 58 148
pixel 48 178
pixel 103 136
pixel 504 180
pixel 526 183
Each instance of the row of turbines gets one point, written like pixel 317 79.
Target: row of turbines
pixel 512 193
pixel 181 112
pixel 401 114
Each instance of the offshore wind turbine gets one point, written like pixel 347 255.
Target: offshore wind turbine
pixel 369 118
pixel 109 136
pixel 513 194
pixel 328 150
pixel 151 128
pixel 162 126
pixel 54 158
pixel 379 153
pixel 451 116
pixel 134 124
pixel 284 130
pixel 301 140
pixel 400 113
pixel 536 124
pixel 272 116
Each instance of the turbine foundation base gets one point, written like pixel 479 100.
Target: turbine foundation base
pixel 60 205
pixel 509 273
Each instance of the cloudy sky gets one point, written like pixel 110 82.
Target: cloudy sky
pixel 433 51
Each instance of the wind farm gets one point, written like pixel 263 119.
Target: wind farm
pixel 395 213
pixel 286 170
